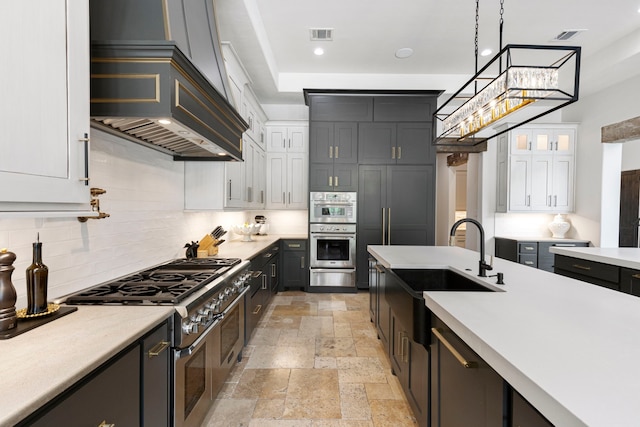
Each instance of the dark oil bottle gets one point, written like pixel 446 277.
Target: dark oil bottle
pixel 37 277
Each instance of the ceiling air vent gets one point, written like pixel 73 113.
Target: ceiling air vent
pixel 322 34
pixel 567 35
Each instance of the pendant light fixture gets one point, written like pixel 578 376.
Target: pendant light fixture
pixel 520 84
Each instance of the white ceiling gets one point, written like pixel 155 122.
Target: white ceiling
pixel 272 39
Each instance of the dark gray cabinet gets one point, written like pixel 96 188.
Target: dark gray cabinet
pixel 409 359
pixel 340 108
pixel 523 414
pixel 395 143
pixel 131 389
pixel 333 156
pixel 630 281
pixel 597 273
pixel 295 266
pixel 396 205
pixel 404 108
pixel 263 283
pixel 466 391
pixel 532 252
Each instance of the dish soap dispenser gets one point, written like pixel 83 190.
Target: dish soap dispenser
pixel 8 318
pixel 37 277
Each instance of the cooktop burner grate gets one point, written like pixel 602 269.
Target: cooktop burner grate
pixel 166 284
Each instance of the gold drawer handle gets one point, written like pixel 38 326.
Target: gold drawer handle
pixel 636 276
pixel 581 267
pixel 105 424
pixel 447 344
pixel 257 310
pixel 158 348
pixel 529 248
pixel 294 245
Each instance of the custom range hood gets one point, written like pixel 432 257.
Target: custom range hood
pixel 158 78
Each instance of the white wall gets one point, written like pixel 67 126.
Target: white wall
pixel 147 226
pixel 610 105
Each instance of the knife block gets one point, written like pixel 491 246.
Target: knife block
pixel 213 249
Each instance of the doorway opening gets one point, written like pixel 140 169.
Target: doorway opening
pixel 629 209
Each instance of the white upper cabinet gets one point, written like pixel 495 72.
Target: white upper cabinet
pixel 287 165
pixel 45 106
pixel 536 169
pixel 287 139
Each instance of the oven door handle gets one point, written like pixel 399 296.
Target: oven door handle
pixel 333 203
pixel 181 353
pixel 332 236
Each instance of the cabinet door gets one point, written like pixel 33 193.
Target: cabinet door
pixel 469 395
pixel 377 143
pixel 372 205
pixel 399 350
pixel 525 415
pixel 297 185
pixel 414 144
pixel 411 200
pixel 630 281
pixel 319 175
pixel 520 183
pixel 234 184
pixel 277 139
pixel 321 142
pixel 564 141
pixel 248 155
pixel 156 381
pixel 295 274
pixel 276 180
pixel 541 186
pixel 345 177
pixel 521 141
pixel 111 397
pixel 562 190
pixel 345 140
pixel 384 311
pixel 417 390
pixel 297 139
pixel 45 106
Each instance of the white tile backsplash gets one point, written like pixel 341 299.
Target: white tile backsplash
pixel 147 226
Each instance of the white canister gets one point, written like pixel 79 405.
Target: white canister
pixel 559 226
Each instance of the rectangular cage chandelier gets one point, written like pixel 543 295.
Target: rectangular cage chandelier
pixel 520 84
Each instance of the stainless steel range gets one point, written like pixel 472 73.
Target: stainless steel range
pixel 209 322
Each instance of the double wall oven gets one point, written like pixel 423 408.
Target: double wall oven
pixel 332 239
pixel 208 325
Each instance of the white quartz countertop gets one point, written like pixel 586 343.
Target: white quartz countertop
pixel 622 257
pixel 236 248
pixel 569 347
pixel 41 363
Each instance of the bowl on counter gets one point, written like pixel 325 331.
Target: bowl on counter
pixel 246 230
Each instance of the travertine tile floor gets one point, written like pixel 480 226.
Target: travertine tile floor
pixel 314 361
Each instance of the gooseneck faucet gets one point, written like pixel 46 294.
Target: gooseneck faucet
pixel 483 265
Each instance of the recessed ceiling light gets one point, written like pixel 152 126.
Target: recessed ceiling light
pixel 164 121
pixel 486 52
pixel 318 51
pixel 404 52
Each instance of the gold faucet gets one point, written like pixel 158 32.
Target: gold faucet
pixel 95 205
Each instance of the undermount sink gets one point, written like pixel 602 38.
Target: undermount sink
pixel 421 280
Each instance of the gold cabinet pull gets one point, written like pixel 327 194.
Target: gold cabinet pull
pixel 379 269
pixel 399 153
pixel 393 152
pixel 581 267
pixel 294 245
pixel 157 349
pixel 636 276
pixel 336 151
pixel 405 354
pixel 330 181
pixel 331 151
pixel 302 262
pixel 466 363
pixel 258 308
pixel 383 234
pixel 389 226
pixel 105 424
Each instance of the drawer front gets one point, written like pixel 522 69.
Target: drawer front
pixel 596 270
pixel 528 248
pixel 294 245
pixel 530 260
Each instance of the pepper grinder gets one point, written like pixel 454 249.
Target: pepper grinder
pixel 37 277
pixel 8 318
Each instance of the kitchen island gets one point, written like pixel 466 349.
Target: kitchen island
pixel 622 257
pixel 569 348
